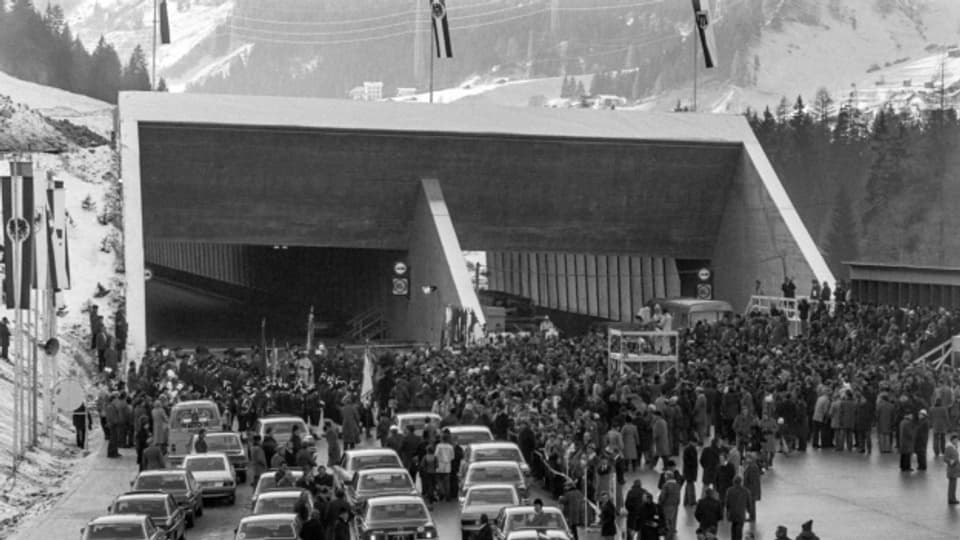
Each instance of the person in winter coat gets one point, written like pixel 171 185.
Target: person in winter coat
pixel 350 424
pixel 921 440
pixel 864 428
pixel 885 423
pixel 848 421
pixel 608 517
pixel 834 413
pixel 631 443
pixel 571 503
pixel 633 505
pixel 341 527
pixel 669 501
pixel 709 509
pixel 159 422
pixel 939 424
pixel 113 424
pixel 820 409
pixel 806 532
pixel 332 436
pixel 908 436
pixel 710 461
pixel 690 469
pixel 951 457
pixel 701 419
pixel 153 458
pixel 737 502
pixel 751 481
pixel 258 461
pixel 661 439
pixel 725 476
pixel 651 519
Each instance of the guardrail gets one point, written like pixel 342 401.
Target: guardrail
pixel 784 304
pixel 589 506
pixel 937 356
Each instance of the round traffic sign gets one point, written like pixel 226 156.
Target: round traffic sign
pixel 704 274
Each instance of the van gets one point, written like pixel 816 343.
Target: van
pixel 687 312
pixel 186 419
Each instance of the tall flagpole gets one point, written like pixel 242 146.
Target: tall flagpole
pixel 16 201
pixel 153 79
pixel 433 52
pixel 695 54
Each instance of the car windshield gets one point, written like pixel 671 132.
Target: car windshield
pixel 379 481
pixel 505 475
pixel 285 429
pixel 223 444
pixel 269 480
pixel 470 437
pixel 397 512
pixel 193 418
pixel 496 454
pixel 161 482
pixel 416 421
pixel 276 505
pixel 359 463
pixel 155 508
pixel 267 529
pixel 491 496
pixel 547 520
pixel 115 531
pixel 206 464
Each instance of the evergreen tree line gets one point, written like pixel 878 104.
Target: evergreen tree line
pixel 871 185
pixel 40 47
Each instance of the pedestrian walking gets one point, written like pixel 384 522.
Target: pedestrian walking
pixel 608 517
pixel 751 481
pixel 82 421
pixel 737 503
pixel 690 470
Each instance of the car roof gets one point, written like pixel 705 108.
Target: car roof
pixel 381 470
pixel 370 452
pixel 269 517
pixel 424 414
pixel 526 509
pixel 395 499
pixel 163 472
pixel 482 487
pixel 475 427
pixel 281 493
pixel 280 418
pixel 295 472
pixel 535 534
pixel 209 434
pixel 511 464
pixel 143 495
pixel 493 444
pixel 195 403
pixel 119 518
pixel 207 454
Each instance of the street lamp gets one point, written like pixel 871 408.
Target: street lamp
pixel 429 289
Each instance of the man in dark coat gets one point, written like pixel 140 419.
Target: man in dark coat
pixel 82 421
pixel 737 503
pixel 269 445
pixel 486 531
pixel 908 436
pixel 113 423
pixel 690 473
pixel 709 509
pixel 751 481
pixel 410 450
pixel 572 504
pixel 634 505
pixel 341 528
pixel 921 440
pixel 312 529
pixel 725 475
pixel 153 458
pixel 4 339
pixel 710 461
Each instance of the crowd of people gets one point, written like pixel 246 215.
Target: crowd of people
pixel 745 390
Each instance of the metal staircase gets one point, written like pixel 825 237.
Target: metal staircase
pixel 937 356
pixel 368 325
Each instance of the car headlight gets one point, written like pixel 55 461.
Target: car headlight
pixel 426 532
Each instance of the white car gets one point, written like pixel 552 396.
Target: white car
pixel 493 451
pixel 486 499
pixel 355 460
pixel 377 483
pixel 125 526
pixel 494 472
pixel 403 517
pixel 281 501
pixel 215 474
pixel 513 519
pixel 467 435
pixel 416 419
pixel 268 482
pixel 281 428
pixel 268 527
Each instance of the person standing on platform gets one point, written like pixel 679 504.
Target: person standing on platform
pixel 951 457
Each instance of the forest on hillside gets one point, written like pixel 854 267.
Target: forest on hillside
pixel 39 47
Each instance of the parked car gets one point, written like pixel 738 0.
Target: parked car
pixel 464 436
pixel 379 482
pixel 229 443
pixel 484 499
pixel 517 518
pixel 416 419
pixel 495 472
pixel 125 526
pixel 215 475
pixel 268 482
pixel 268 527
pixel 494 451
pixel 538 534
pixel 186 419
pixel 177 482
pixel 281 501
pixel 355 460
pixel 401 517
pixel 161 507
pixel 281 428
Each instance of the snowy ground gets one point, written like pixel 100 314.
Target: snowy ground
pixel 86 172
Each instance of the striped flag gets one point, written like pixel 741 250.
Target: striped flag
pixel 18 211
pixel 164 24
pixel 366 387
pixel 441 28
pixel 57 253
pixel 705 29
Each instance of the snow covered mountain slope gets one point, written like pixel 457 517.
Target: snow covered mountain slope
pixel 59 104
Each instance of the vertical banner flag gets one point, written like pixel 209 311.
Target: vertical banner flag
pixel 441 28
pixel 705 28
pixel 164 24
pixel 57 255
pixel 366 385
pixel 18 226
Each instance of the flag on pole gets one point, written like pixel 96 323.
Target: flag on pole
pixel 164 24
pixel 705 29
pixel 366 386
pixel 17 187
pixel 57 254
pixel 441 28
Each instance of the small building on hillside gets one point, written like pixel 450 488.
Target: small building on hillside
pixel 905 285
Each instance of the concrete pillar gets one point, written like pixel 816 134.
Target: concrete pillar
pixel 136 294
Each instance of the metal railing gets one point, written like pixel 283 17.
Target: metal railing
pixel 551 474
pixel 369 324
pixel 937 356
pixel 789 306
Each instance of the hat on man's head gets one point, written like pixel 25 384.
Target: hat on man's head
pixel 807 526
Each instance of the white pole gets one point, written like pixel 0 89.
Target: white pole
pixel 16 202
